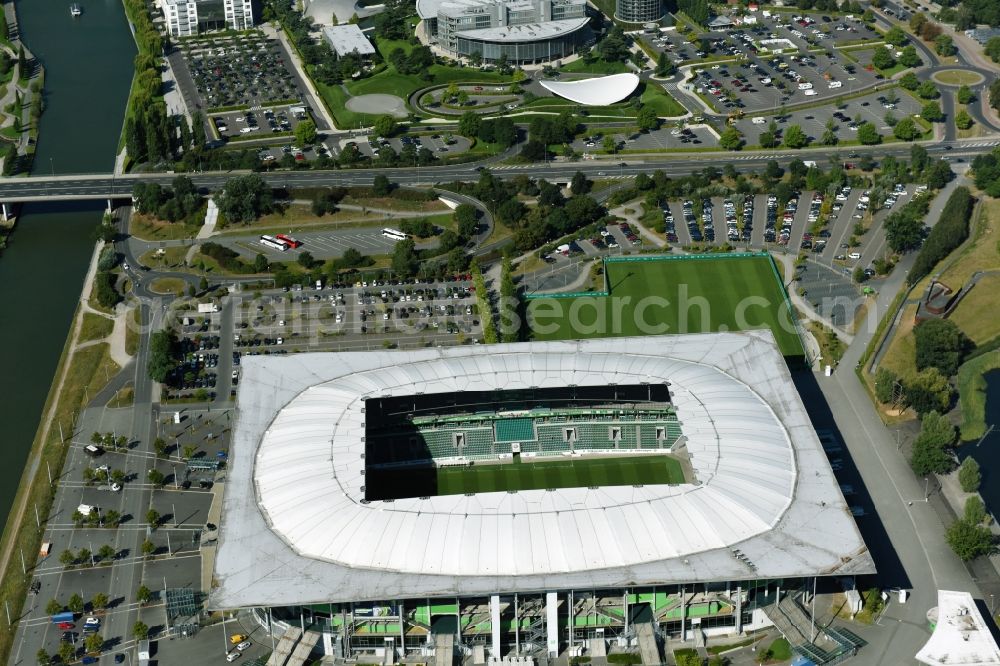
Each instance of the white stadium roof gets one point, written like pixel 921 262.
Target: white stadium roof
pixel 530 32
pixel 763 484
pixel 599 91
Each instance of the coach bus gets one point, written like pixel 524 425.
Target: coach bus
pixel 273 243
pixel 394 234
pixel 288 240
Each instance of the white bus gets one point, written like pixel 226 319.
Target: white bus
pixel 273 243
pixel 394 234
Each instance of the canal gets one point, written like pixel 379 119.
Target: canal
pixel 987 453
pixel 88 71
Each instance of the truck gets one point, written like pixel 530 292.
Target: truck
pixel 93 450
pixel 59 618
pixel 205 308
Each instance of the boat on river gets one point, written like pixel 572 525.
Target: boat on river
pixel 75 10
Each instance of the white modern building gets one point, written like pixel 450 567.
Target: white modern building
pixel 312 533
pixel 348 38
pixel 598 91
pixel 961 636
pixel 523 31
pixel 190 17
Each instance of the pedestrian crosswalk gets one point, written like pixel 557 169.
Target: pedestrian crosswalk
pixel 981 144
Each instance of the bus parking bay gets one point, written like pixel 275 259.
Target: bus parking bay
pixel 320 244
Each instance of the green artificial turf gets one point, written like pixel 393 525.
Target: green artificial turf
pixel 658 296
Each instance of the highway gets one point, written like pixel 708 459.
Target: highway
pixel 103 186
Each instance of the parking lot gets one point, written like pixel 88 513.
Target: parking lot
pixel 846 118
pixel 248 70
pixel 259 124
pixel 676 135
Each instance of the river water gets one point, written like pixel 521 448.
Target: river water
pixel 987 453
pixel 88 71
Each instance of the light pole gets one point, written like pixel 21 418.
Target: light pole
pixel 927 495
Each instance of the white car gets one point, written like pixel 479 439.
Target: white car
pixel 243 646
pixel 854 255
pixel 233 656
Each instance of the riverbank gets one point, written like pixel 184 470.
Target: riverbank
pixel 21 99
pixel 82 371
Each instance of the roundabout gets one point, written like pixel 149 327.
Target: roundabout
pixel 377 104
pixel 957 77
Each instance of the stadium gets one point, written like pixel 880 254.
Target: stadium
pixel 529 500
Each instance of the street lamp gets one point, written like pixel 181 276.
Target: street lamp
pixel 926 486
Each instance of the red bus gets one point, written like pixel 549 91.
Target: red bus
pixel 288 240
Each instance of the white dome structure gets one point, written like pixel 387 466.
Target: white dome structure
pixel 599 91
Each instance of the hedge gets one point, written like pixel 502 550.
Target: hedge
pixel 950 231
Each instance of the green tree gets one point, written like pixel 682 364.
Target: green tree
pixel 84 556
pixel 944 45
pixel 148 548
pixel 965 95
pixel 245 198
pixel 106 552
pixel 927 391
pixel 93 643
pixel 927 90
pixel 931 112
pixel 385 125
pixel 53 606
pixel 66 652
pixel 260 265
pixel 608 144
pixel 99 602
pixel 468 124
pixel 405 260
pixel 969 475
pixel 112 518
pixel 882 59
pixel 940 344
pixel 140 631
pixel 42 657
pixel 885 385
pixel 67 558
pixel 143 594
pixel 75 603
pixel 161 362
pixel 153 518
pixel 305 133
pixel 974 510
pixel 906 130
pixel 909 81
pixel 4 28
pixel 930 450
pixel 794 137
pixel 969 541
pixel 992 49
pixel 155 477
pixel 381 186
pixel 731 139
pixel 963 120
pixel 646 119
pixel 868 135
pixel 909 57
pixel 896 36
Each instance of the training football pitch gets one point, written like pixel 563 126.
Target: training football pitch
pixel 523 475
pixel 684 294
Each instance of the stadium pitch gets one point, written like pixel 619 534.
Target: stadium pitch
pixel 491 477
pixel 675 294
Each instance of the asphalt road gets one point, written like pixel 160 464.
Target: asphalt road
pixel 42 188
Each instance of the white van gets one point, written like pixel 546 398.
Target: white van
pixel 809 93
pixel 758 120
pixel 805 86
pixel 835 84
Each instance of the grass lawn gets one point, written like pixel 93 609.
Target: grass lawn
pixel 391 82
pixel 780 650
pixel 971 386
pixel 957 77
pixel 392 203
pixel 146 227
pixel 975 314
pixel 523 475
pixel 901 356
pixel 95 327
pixel 981 254
pixel 692 295
pixel 335 99
pixel 596 67
pixel 665 105
pixel 172 257
pixel 168 286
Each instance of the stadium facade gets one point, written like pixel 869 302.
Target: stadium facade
pixel 483 500
pixel 521 31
